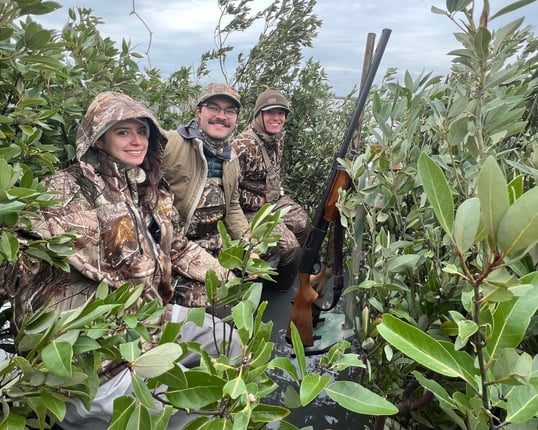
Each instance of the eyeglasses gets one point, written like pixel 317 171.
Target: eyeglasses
pixel 215 109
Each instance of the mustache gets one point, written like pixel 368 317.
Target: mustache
pixel 219 121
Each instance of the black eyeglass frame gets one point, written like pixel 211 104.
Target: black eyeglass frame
pixel 215 109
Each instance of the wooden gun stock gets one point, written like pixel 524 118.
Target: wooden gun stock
pixel 301 313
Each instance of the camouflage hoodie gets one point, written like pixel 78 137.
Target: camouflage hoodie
pixel 255 186
pixel 126 225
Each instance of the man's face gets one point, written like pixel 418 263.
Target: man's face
pixel 217 117
pixel 273 120
pixel 126 141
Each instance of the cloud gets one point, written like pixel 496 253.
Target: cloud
pixel 182 30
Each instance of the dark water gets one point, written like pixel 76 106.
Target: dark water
pixel 323 413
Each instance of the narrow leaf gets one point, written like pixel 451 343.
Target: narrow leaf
pixel 511 320
pixel 142 392
pixel 311 386
pixel 356 398
pixel 438 192
pixel 493 194
pixel 419 346
pixel 466 224
pixel 518 228
pixel 58 357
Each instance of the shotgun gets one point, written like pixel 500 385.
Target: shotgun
pixel 326 212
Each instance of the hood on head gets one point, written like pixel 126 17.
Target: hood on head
pixel 107 109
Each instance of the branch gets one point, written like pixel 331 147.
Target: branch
pixel 135 13
pixel 405 407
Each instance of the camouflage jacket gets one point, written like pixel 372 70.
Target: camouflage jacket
pixel 124 232
pixel 185 168
pixel 255 185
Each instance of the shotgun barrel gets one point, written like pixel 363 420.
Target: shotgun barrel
pixel 301 313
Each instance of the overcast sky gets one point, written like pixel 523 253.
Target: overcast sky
pixel 183 29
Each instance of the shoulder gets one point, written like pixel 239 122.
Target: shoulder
pixel 174 138
pixel 244 140
pixel 174 147
pixel 65 181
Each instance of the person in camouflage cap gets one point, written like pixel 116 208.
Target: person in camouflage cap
pixel 259 149
pixel 203 172
pixel 127 231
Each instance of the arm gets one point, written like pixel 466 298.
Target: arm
pixel 193 262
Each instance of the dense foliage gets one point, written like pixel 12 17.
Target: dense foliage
pixel 441 224
pixel 445 280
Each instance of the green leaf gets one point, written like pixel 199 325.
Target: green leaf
pixel 348 360
pixel 160 421
pixel 157 360
pixel 437 190
pixel 402 263
pixel 171 332
pixel 139 419
pixel 10 246
pixel 231 258
pixel 130 351
pixel 512 318
pixel 298 348
pixel 481 43
pixel 522 404
pixel 493 194
pixel 235 388
pixel 358 399
pixel 175 378
pixel 58 357
pixel 93 313
pixel 195 397
pixel 142 392
pixel 466 224
pixel 518 228
pixel 243 317
pixel 446 402
pixel 196 315
pixel 263 413
pixel 286 365
pixel 55 405
pixel 51 62
pixel 466 329
pixel 211 284
pixel 512 368
pixel 420 347
pixel 511 7
pixel 13 421
pixel 311 386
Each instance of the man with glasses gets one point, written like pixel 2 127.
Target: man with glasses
pixel 203 172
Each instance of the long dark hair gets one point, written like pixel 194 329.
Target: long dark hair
pixel 152 166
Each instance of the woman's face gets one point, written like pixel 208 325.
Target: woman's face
pixel 126 141
pixel 273 120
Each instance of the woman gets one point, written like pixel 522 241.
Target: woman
pixel 115 201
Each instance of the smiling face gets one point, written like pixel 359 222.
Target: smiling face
pixel 217 117
pixel 126 141
pixel 274 120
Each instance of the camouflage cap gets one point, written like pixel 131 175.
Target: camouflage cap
pixel 215 89
pixel 271 99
